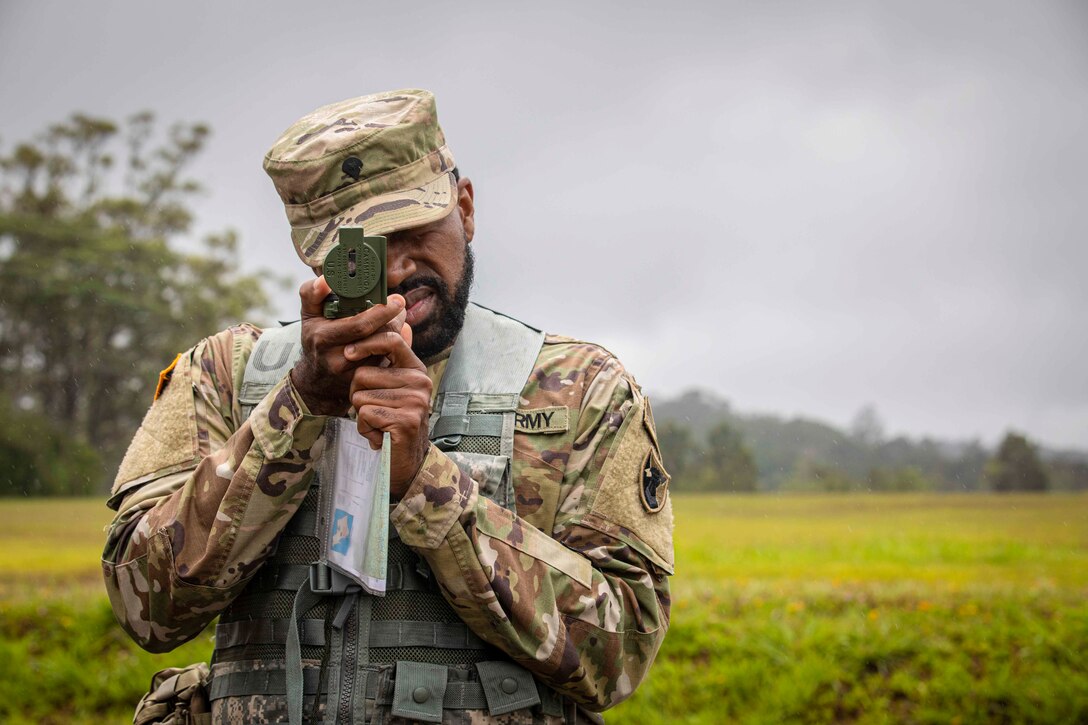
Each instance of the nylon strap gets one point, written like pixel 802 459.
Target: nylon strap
pixel 261 682
pixel 295 682
pixel 268 631
pixel 459 695
pixel 481 424
pixel 383 633
pixel 406 633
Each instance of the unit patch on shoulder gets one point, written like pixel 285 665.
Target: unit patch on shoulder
pixel 554 419
pixel 655 482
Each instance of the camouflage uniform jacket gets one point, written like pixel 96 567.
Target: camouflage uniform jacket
pixel 573 586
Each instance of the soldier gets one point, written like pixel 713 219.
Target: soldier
pixel 530 521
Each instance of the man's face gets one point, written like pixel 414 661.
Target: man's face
pixel 432 266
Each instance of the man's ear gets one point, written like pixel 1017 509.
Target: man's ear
pixel 466 205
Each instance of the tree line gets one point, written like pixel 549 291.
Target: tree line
pixel 707 446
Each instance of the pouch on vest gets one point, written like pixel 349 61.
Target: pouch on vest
pixel 177 696
pixel 507 687
pixel 418 691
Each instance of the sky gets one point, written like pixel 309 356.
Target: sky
pixel 803 207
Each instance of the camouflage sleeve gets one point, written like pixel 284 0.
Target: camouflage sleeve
pixel 200 497
pixel 586 608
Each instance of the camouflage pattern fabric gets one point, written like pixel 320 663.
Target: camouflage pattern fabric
pixel 572 584
pixel 378 161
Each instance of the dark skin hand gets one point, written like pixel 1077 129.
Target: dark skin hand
pixel 339 369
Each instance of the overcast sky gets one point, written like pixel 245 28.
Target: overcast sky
pixel 804 207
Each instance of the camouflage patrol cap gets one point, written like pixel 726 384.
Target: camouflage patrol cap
pixel 377 161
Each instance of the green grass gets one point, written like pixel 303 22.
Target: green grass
pixel 863 608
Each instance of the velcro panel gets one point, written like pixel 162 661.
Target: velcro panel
pixel 507 687
pixel 618 507
pixel 167 439
pixel 418 691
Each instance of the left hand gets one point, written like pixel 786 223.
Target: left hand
pixel 395 400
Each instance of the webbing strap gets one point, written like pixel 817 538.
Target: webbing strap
pixel 383 633
pixel 458 695
pixel 261 682
pixel 404 633
pixel 295 682
pixel 286 577
pixel 289 577
pixel 481 424
pixel 268 631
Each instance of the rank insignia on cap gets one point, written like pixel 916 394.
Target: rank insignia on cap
pixel 655 483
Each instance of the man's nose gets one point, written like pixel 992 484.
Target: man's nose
pixel 399 265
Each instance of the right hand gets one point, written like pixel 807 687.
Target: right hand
pixel 322 376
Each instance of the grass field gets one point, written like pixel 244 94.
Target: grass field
pixel 862 608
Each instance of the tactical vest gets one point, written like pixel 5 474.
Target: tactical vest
pixel 408 651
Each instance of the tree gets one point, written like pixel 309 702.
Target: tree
pixel 1015 466
pixel 811 475
pixel 96 298
pixel 905 478
pixel 867 428
pixel 729 463
pixel 1068 475
pixel 678 450
pixel 36 459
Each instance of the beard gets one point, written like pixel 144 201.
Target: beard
pixel 439 330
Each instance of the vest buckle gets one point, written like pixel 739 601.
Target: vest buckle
pixel 327 581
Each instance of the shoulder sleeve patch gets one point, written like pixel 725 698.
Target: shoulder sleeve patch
pixel 623 499
pixel 166 441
